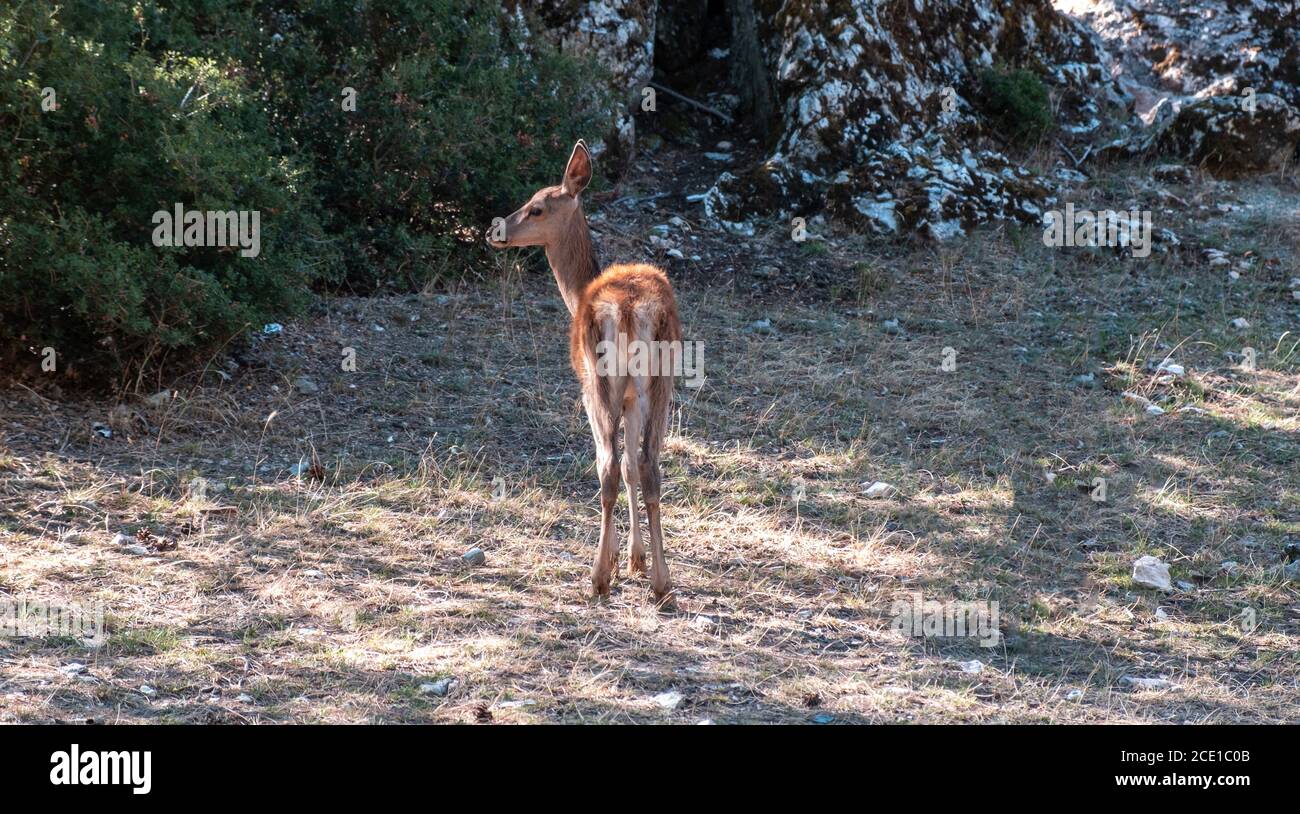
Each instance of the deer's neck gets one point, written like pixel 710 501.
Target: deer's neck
pixel 573 262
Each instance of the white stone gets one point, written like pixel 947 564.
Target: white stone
pixel 1150 572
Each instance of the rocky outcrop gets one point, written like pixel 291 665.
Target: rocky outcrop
pixel 878 117
pixel 1217 82
pixel 1182 50
pixel 876 103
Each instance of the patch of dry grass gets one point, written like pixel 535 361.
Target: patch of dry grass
pixel 336 595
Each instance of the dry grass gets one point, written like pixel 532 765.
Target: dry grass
pixel 334 596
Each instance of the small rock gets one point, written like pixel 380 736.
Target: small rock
pixel 1155 409
pixel 439 688
pixel 527 702
pixel 718 156
pixel 474 556
pixel 676 254
pixel 272 328
pixel 1086 380
pixel 1217 257
pixel 1150 572
pixel 702 623
pixel 305 386
pixel 1168 366
pixel 75 668
pixel 668 700
pixel 244 698
pixel 823 718
pixel 1074 695
pixel 159 399
pixel 760 326
pixel 1149 683
pixel 136 549
pixel 313 573
pixel 147 690
pixel 1184 585
pixel 973 667
pixel 879 489
pixel 724 146
pixel 102 430
pixel 1239 324
pixel 891 326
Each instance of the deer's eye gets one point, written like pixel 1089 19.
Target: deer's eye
pixel 535 212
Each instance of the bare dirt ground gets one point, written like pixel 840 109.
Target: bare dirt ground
pixel 317 576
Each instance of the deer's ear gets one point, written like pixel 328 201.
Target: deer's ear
pixel 577 174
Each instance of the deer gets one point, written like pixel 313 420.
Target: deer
pixel 614 313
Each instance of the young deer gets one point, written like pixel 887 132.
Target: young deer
pixel 631 303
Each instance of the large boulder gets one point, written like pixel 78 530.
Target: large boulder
pixel 1230 136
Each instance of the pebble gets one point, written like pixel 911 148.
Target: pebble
pixel 1150 572
pixel 439 688
pixel 1149 683
pixel 668 700
pixel 973 667
pixel 474 556
pixel 879 489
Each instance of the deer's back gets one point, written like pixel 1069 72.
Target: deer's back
pixel 634 299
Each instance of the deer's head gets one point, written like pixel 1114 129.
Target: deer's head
pixel 552 213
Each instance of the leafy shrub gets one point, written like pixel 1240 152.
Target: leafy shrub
pixel 1016 102
pixel 219 107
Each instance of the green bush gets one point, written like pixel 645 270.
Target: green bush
pixel 221 106
pixel 1016 102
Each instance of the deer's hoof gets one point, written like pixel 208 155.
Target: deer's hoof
pixel 665 599
pixel 636 565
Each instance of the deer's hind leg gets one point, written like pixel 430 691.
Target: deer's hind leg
pixel 604 429
pixel 633 423
pixel 661 395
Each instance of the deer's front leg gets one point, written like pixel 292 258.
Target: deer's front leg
pixel 603 428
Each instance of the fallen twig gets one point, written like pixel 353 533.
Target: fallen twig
pixel 688 100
